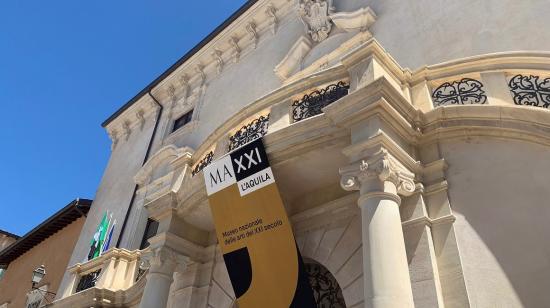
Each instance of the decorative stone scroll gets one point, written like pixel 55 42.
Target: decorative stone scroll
pixel 382 166
pixel 530 90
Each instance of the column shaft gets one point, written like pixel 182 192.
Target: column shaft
pixel 156 290
pixel 385 268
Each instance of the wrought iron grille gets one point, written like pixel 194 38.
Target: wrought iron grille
pixel 253 130
pixel 326 290
pixel 207 159
pixel 88 281
pixel 530 90
pixel 313 103
pixel 462 92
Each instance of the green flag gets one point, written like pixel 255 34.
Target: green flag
pixel 98 238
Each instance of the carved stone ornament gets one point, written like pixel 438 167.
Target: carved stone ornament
pixel 271 12
pixel 382 166
pixel 234 42
pixel 113 134
pixel 165 261
pixel 127 130
pixel 171 92
pixel 202 75
pixel 217 56
pixel 184 81
pixel 315 16
pixel 251 29
pixel 141 118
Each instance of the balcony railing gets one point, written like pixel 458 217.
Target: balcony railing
pixel 117 269
pixel 312 104
pixel 257 128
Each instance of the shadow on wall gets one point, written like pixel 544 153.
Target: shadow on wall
pixel 498 192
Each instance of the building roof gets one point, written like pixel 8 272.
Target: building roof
pixel 64 217
pixel 6 233
pixel 182 60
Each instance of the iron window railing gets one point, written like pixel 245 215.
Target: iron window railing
pixel 88 281
pixel 205 161
pixel 253 130
pixel 313 103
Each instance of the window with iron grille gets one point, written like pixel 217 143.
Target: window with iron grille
pixel 88 281
pixel 150 231
pixel 530 90
pixel 181 121
pixel 460 92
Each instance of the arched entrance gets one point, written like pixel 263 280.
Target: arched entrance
pixel 326 290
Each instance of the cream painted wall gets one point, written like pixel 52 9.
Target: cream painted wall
pixel 424 32
pixel 114 192
pixel 499 193
pixel 416 33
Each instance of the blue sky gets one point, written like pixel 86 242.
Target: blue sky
pixel 65 66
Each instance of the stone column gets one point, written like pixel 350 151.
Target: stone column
pixel 163 263
pixel 380 180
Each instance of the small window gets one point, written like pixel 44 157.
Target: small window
pixel 181 121
pixel 150 231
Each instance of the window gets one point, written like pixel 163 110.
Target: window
pixel 150 231
pixel 181 121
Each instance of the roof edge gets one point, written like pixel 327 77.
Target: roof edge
pixel 78 206
pixel 248 4
pixel 9 234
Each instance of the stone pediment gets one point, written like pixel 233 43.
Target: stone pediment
pixel 161 164
pixel 321 49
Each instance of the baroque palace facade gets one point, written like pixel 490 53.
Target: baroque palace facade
pixel 410 141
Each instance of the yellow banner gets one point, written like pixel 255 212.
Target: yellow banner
pixel 254 233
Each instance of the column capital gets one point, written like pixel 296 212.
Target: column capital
pixel 164 260
pixel 382 167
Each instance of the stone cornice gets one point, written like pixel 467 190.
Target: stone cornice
pixel 509 122
pixel 132 119
pixel 520 60
pixel 235 41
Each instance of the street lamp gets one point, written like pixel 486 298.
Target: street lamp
pixel 37 275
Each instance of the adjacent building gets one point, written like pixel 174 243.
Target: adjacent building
pixel 410 141
pixel 48 247
pixel 6 239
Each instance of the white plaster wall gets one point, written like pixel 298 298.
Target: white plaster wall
pixel 499 193
pixel 240 84
pixel 424 32
pixel 115 190
pixel 416 33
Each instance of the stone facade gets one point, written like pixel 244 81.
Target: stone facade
pixel 409 140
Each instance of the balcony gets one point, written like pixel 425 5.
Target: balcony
pixel 115 276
